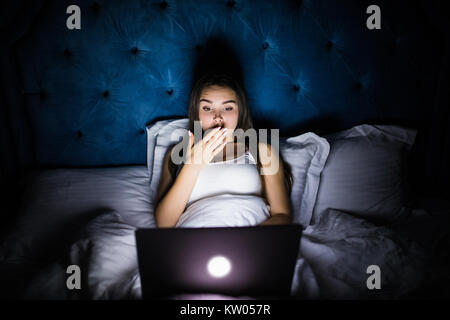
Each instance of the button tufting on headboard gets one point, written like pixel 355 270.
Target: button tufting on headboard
pixel 231 3
pixel 163 4
pixel 140 59
pixel 67 53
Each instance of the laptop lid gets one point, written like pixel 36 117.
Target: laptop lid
pixel 254 261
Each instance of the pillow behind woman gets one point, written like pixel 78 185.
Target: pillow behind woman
pixel 365 173
pixel 306 155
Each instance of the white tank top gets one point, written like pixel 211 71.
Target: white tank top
pixel 238 176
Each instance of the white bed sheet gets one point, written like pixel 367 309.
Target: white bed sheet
pixel 59 201
pixel 333 257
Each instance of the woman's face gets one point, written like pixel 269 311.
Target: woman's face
pixel 218 107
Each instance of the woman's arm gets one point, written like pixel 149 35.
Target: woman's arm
pixel 274 186
pixel 173 203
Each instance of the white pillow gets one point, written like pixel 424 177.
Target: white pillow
pixel 160 137
pixel 306 154
pixel 105 251
pixel 365 172
pixel 56 203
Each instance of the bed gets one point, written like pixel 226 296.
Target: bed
pixel 87 217
pixel 88 114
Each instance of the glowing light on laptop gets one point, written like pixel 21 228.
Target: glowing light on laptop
pixel 219 266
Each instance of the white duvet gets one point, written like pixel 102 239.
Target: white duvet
pixel 226 210
pixel 332 263
pixel 78 225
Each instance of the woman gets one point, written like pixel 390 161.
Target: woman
pixel 217 186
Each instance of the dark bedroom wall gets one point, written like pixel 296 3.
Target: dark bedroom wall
pixel 8 163
pixel 431 172
pixel 16 160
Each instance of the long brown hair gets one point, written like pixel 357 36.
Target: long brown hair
pixel 244 119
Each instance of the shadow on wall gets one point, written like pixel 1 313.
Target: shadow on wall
pixel 217 57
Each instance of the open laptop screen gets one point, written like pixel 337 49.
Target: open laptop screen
pixel 252 261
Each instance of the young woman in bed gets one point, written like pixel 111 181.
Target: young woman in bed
pixel 221 186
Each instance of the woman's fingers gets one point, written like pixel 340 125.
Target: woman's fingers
pixel 217 136
pixel 211 144
pixel 219 147
pixel 211 134
pixel 191 138
pixel 216 143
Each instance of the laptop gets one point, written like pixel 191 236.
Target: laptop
pixel 255 261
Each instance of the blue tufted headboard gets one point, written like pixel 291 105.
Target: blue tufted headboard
pixel 307 65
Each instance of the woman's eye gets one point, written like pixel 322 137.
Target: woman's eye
pixel 229 108
pixel 206 108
